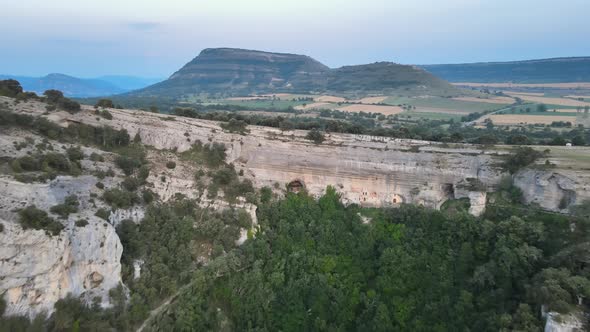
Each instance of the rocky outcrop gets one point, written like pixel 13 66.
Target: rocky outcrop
pixel 477 200
pixel 366 170
pixel 37 269
pixel 134 214
pixel 564 323
pixel 554 190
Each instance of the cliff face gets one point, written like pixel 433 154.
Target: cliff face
pixel 564 323
pixel 36 269
pixel 237 71
pixel 370 171
pixel 554 190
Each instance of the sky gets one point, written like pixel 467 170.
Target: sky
pixel 151 38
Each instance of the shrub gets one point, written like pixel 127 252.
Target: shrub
pixel 523 157
pixel 53 96
pixel 56 161
pixel 26 163
pixel 100 185
pixel 265 194
pixel 235 126
pixel 127 164
pixel 148 196
pixel 75 153
pixel 212 155
pixel 130 183
pixel 70 205
pixel 171 165
pixel 105 114
pixel 105 103
pixel 120 199
pixel 131 158
pixel 316 136
pixel 102 213
pixel 70 105
pixel 10 88
pixel 143 173
pixel 96 157
pixel 224 176
pixel 31 217
pixel 81 222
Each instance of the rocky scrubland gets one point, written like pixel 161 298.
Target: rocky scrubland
pixel 76 188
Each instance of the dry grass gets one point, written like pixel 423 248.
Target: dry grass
pixel 493 100
pixel 371 100
pixel 262 97
pixel 563 110
pixel 513 119
pixel 315 106
pixel 575 85
pixel 422 109
pixel 540 94
pixel 385 110
pixel 330 99
pixel 551 100
pixel 249 98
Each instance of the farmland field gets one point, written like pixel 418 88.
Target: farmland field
pixel 574 85
pixel 494 100
pixel 263 103
pixel 512 119
pixel 386 110
pixel 551 101
pixel 430 115
pixel 446 104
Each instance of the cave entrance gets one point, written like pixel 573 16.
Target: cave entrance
pixel 397 199
pixel 448 190
pixel 295 186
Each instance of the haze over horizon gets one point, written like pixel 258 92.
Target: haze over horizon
pixel 154 38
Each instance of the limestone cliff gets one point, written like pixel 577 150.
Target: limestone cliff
pixel 564 323
pixel 552 189
pixel 370 171
pixel 37 269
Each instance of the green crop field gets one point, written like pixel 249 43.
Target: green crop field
pixel 430 116
pixel 262 103
pixel 445 103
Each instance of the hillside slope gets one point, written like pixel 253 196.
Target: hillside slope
pixel 82 87
pixel 238 72
pixel 557 70
pixel 69 85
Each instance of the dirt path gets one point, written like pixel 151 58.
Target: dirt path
pixel 482 118
pixel 156 311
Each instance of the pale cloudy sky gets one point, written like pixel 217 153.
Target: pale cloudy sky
pixel 154 38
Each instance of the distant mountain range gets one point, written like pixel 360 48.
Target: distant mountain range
pixel 81 87
pixel 556 70
pixel 231 71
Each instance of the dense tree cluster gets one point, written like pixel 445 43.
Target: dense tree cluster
pixel 316 266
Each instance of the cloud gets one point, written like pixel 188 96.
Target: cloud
pixel 143 26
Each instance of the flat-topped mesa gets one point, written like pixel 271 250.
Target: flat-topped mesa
pixel 241 72
pixel 220 69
